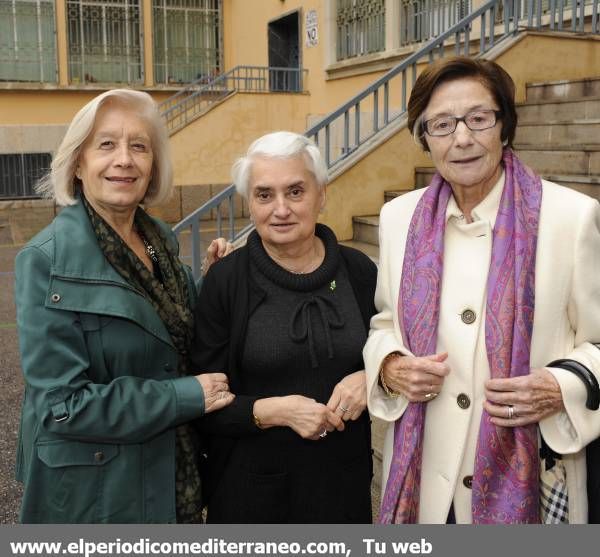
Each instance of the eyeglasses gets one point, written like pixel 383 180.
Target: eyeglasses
pixel 476 121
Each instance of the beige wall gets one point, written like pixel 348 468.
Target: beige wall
pixel 204 150
pixel 31 107
pixel 539 57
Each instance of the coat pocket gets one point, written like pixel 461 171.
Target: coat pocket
pixel 56 454
pixel 73 477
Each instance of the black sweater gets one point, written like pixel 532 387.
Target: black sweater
pixel 229 295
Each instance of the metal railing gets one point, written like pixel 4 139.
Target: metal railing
pixel 192 222
pixel 199 96
pixel 343 131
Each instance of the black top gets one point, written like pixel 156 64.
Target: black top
pixel 287 334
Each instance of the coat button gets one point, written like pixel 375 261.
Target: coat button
pixel 55 298
pixel 99 456
pixel 463 401
pixel 468 316
pixel 468 482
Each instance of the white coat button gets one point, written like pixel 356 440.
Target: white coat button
pixel 55 298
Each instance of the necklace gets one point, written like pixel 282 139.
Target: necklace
pixel 150 251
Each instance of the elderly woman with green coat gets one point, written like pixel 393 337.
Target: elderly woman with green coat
pixel 105 326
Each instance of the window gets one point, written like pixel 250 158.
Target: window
pixel 19 173
pixel 186 40
pixel 27 44
pixel 421 20
pixel 360 27
pixel 105 42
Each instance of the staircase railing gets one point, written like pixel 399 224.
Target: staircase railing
pixel 342 132
pixel 197 97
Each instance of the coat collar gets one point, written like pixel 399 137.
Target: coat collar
pixel 80 275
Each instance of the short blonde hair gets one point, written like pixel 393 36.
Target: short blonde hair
pixel 60 183
pixel 280 145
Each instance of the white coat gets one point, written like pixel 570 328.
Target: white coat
pixel 566 322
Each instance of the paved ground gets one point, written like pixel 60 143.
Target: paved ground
pixel 12 388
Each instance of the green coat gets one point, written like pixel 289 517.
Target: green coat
pixel 102 398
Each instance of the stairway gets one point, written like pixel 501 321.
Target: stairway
pixel 558 136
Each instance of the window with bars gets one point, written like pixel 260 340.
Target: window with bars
pixel 187 38
pixel 27 41
pixel 19 173
pixel 105 41
pixel 360 27
pixel 421 20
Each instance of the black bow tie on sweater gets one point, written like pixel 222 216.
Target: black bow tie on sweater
pixel 301 323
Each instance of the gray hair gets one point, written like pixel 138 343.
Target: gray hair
pixel 280 145
pixel 60 183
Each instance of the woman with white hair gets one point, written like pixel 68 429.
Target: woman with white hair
pixel 104 312
pixel 286 317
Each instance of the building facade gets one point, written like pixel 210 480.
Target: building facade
pixel 275 64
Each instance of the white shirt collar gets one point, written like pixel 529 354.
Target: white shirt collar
pixel 486 210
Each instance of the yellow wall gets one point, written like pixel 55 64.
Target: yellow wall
pixel 31 107
pixel 204 151
pixel 246 43
pixel 540 57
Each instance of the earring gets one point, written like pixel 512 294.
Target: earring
pixel 505 143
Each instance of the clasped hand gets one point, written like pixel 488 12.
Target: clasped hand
pixel 519 401
pixel 418 379
pixel 216 391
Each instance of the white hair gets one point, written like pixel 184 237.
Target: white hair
pixel 60 183
pixel 279 145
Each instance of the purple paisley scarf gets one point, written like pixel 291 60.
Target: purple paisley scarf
pixel 505 482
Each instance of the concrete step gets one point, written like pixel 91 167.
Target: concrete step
pixel 562 110
pixel 558 134
pixel 368 249
pixel 378 429
pixel 564 89
pixel 423 175
pixel 568 160
pixel 392 194
pixel 366 229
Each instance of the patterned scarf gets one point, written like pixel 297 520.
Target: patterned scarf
pixel 170 298
pixel 506 477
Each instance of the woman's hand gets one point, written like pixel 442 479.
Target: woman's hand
pixel 419 379
pixel 216 391
pixel 217 249
pixel 349 396
pixel 307 417
pixel 519 401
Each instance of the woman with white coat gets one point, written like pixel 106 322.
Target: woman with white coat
pixel 481 356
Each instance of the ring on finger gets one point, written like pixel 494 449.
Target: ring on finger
pixel 343 409
pixel 511 411
pixel 323 434
pixel 429 396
